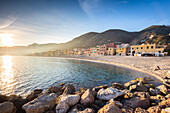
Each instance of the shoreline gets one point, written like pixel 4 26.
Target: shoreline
pixel 92 59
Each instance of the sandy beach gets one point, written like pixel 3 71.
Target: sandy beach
pixel 144 64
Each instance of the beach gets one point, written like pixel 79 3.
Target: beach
pixel 143 64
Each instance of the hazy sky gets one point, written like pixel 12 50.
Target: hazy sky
pixel 57 21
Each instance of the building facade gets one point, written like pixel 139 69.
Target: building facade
pixel 148 48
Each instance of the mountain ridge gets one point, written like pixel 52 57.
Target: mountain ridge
pixel 91 39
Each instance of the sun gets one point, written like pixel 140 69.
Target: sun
pixel 6 39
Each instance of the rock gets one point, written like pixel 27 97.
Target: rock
pixel 68 89
pixel 34 94
pixel 110 108
pixel 95 107
pixel 7 107
pixel 154 109
pixel 117 103
pixel 50 111
pixel 156 99
pixel 143 80
pixel 129 95
pixel 82 90
pixel 142 95
pixel 149 86
pixel 61 84
pixel 109 93
pixel 65 101
pixel 11 97
pixel 132 82
pixel 87 110
pixel 99 103
pixel 136 102
pixel 87 98
pixel 140 110
pixel 62 107
pixel 3 98
pixel 165 103
pixel 153 92
pixel 99 87
pixel 18 103
pixel 126 109
pixel 117 86
pixel 40 104
pixel 166 81
pixel 76 108
pixel 138 88
pixel 55 89
pixel 167 96
pixel 163 89
pixel 166 110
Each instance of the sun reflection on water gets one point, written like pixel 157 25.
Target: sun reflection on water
pixel 7 75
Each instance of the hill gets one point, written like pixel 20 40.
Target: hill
pixel 160 35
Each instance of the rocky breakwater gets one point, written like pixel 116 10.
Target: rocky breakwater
pixel 135 96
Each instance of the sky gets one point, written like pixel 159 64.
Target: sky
pixel 23 22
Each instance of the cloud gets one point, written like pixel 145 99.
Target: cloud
pixel 7 21
pixel 88 5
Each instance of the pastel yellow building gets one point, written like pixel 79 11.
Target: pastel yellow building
pixel 121 51
pixel 110 51
pixel 148 48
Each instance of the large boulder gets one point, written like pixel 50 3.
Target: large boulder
pixel 132 82
pixel 55 89
pixel 3 98
pixel 65 101
pixel 34 94
pixel 76 108
pixel 87 98
pixel 136 102
pixel 118 85
pixel 109 93
pixel 19 102
pixel 110 108
pixel 163 89
pixel 99 87
pixel 7 107
pixel 41 104
pixel 68 89
pixel 138 88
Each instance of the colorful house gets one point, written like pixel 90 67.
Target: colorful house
pixel 121 51
pixel 110 51
pixel 146 49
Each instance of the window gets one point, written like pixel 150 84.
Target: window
pixel 141 47
pixel 147 47
pixel 151 47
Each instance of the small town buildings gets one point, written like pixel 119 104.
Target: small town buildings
pixel 110 51
pixel 121 51
pixel 93 51
pixel 101 50
pixel 151 49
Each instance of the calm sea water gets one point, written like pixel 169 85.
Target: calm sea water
pixel 21 74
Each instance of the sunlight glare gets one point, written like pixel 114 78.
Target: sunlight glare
pixel 6 39
pixel 7 75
